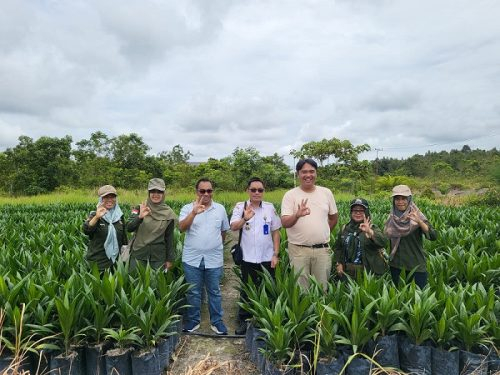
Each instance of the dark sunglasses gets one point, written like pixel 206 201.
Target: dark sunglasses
pixel 254 190
pixel 203 191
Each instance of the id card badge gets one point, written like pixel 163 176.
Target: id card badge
pixel 266 229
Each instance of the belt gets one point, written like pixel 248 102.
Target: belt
pixel 316 246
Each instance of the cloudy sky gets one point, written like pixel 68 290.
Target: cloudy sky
pixel 403 76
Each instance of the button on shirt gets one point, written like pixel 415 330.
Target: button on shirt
pixel 203 238
pixel 257 246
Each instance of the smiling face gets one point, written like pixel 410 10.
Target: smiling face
pixel 256 192
pixel 156 196
pixel 109 201
pixel 358 213
pixel 307 177
pixel 205 191
pixel 401 202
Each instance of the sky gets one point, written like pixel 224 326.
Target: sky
pixel 405 77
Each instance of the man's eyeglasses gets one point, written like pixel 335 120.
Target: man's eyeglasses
pixel 254 190
pixel 203 191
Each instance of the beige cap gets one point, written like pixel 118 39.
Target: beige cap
pixel 106 190
pixel 156 184
pixel 402 190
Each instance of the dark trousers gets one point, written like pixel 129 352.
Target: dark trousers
pixel 251 271
pixel 419 277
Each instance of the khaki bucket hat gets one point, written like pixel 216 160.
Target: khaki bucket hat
pixel 106 190
pixel 156 184
pixel 402 190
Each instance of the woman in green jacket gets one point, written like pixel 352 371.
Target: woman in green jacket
pixel 406 227
pixel 106 230
pixel 360 244
pixel 153 223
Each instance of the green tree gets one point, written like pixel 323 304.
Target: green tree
pixel 40 166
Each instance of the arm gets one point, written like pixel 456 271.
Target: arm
pixel 288 221
pixel 169 241
pixel 332 220
pixel 337 254
pixel 89 225
pixel 276 247
pixel 186 223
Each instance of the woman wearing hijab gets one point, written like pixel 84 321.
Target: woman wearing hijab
pixel 406 227
pixel 153 223
pixel 360 244
pixel 106 230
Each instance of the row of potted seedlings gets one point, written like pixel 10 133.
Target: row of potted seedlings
pixel 361 325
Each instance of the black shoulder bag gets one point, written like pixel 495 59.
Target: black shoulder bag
pixel 236 250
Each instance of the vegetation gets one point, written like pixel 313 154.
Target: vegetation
pixel 52 164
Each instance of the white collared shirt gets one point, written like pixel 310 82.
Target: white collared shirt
pixel 257 246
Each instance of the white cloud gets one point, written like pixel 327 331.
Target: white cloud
pixel 215 75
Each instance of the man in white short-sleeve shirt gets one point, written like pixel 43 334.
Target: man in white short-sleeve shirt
pixel 309 213
pixel 260 239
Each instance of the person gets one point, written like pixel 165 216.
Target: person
pixel 360 243
pixel 153 222
pixel 406 227
pixel 105 228
pixel 260 239
pixel 309 213
pixel 205 223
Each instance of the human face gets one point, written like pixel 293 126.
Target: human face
pixel 156 196
pixel 401 202
pixel 358 213
pixel 109 201
pixel 255 192
pixel 307 176
pixel 204 192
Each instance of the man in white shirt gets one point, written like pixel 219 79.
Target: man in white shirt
pixel 260 239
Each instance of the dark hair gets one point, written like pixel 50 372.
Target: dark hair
pixel 203 179
pixel 255 179
pixel 301 163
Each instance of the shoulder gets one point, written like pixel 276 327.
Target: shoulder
pixel 218 206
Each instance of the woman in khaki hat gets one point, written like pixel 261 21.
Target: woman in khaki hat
pixel 153 223
pixel 406 227
pixel 106 229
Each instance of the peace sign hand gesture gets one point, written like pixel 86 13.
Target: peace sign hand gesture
pixel 144 210
pixel 198 208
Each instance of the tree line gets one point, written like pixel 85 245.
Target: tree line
pixel 48 163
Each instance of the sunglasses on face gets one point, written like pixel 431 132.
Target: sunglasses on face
pixel 358 211
pixel 254 190
pixel 203 191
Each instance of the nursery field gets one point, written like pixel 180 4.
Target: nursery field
pixel 58 314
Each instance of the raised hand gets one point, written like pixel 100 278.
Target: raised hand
pixel 198 208
pixel 366 226
pixel 249 213
pixel 303 210
pixel 144 210
pixel 101 211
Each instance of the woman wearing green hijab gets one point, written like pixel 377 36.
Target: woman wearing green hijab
pixel 153 223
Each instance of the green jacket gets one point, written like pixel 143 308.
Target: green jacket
pixel 410 253
pixel 370 247
pixel 158 252
pixel 97 235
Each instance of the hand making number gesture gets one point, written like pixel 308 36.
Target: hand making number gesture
pixel 302 210
pixel 198 208
pixel 101 211
pixel 249 213
pixel 144 210
pixel 366 226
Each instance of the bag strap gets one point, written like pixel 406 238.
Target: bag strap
pixel 243 216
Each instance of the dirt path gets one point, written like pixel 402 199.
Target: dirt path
pixel 228 352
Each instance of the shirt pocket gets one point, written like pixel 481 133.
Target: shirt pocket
pixel 218 224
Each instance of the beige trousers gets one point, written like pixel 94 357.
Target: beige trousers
pixel 309 261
